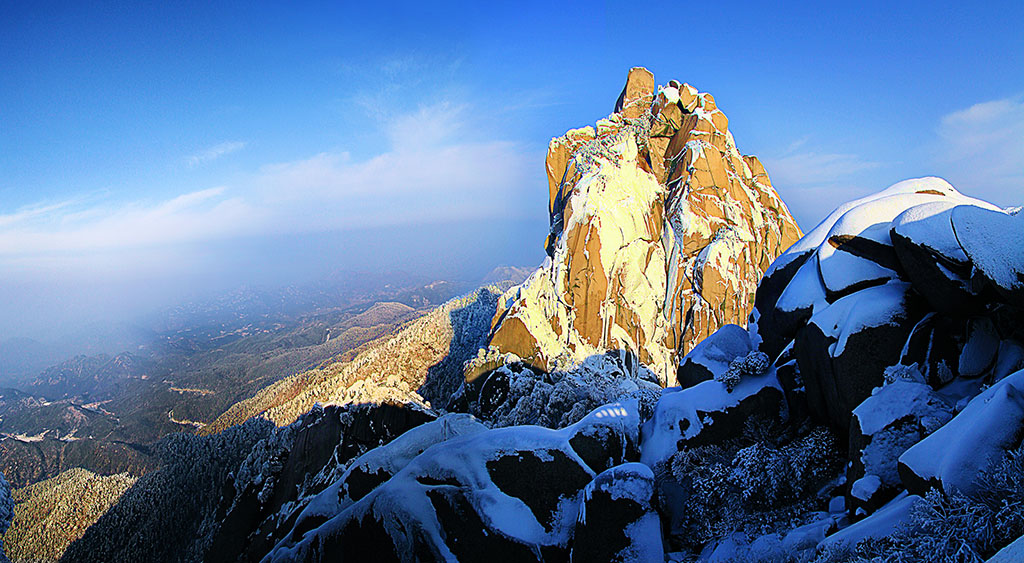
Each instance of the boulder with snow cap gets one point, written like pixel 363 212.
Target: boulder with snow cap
pixel 280 466
pixel 713 355
pixel 844 349
pixel 933 260
pixel 519 394
pixel 708 413
pixel 617 521
pixel 891 517
pixel 955 455
pixel 895 417
pixel 508 494
pixel 379 464
pixel 992 241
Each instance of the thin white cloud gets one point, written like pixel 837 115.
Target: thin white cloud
pixel 428 175
pixel 981 149
pixel 214 152
pixel 807 168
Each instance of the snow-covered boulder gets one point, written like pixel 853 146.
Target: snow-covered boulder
pixel 708 413
pixel 617 521
pixel 516 394
pixel 1012 553
pixel 884 522
pixel 992 240
pixel 954 456
pixel 380 464
pixel 509 493
pixel 890 421
pixel 714 355
pixel 660 232
pixel 933 259
pixel 295 458
pixel 906 276
pixel 844 349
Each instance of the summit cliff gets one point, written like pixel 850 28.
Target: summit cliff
pixel 660 232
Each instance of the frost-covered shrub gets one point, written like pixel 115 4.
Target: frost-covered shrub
pixel 753 364
pixel 171 511
pixel 752 485
pixel 900 372
pixel 516 394
pixel 954 528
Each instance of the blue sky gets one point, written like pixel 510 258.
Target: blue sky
pixel 146 144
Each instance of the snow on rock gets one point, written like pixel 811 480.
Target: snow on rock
pixel 516 394
pixel 992 240
pixel 798 544
pixel 506 494
pixel 380 464
pixel 870 272
pixel 713 355
pixel 6 512
pixel 890 421
pixel 932 258
pixel 829 350
pixel 707 413
pixel 660 232
pixel 1013 553
pixel 617 521
pixel 293 461
pixel 954 455
pixel 880 524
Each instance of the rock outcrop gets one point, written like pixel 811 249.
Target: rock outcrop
pixel 507 494
pixel 885 281
pixel 660 232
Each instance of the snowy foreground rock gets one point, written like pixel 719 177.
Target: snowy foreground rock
pixel 871 409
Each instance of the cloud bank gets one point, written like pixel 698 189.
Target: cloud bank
pixel 428 175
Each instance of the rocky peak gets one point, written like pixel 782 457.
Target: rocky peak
pixel 660 232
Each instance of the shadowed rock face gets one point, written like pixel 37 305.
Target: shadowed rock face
pixel 660 232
